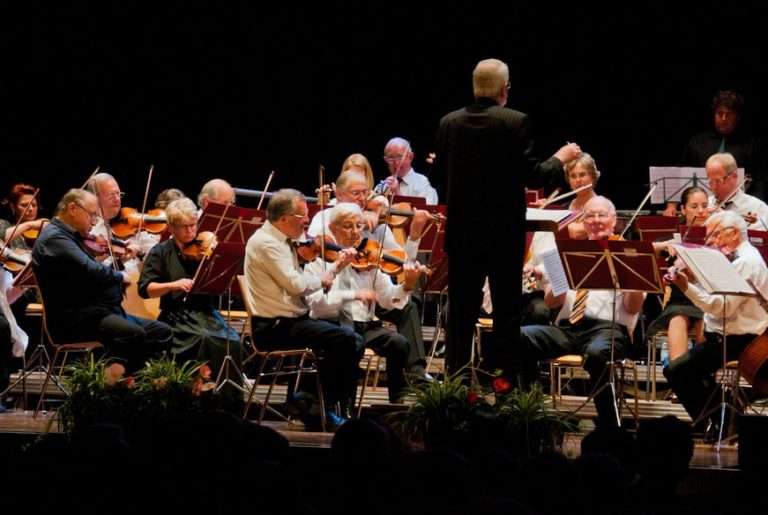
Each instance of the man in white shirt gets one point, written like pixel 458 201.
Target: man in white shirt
pixel 691 376
pixel 590 333
pixel 403 180
pixel 352 304
pixel 277 290
pixel 723 180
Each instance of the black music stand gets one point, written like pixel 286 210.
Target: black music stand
pixel 614 266
pixel 230 223
pixel 718 277
pixel 217 276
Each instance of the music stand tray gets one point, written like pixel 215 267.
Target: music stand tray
pixel 614 266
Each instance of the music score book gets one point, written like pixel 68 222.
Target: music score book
pixel 713 271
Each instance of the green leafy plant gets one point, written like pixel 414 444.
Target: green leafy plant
pixel 454 414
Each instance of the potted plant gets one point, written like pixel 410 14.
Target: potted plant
pixel 468 418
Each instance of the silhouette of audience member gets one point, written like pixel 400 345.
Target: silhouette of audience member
pixel 729 135
pixel 617 442
pixel 550 484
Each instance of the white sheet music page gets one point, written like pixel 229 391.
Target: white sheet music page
pixel 713 270
pixel 558 281
pixel 553 215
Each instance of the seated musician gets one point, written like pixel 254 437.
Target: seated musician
pixel 277 290
pixel 580 172
pixel 199 331
pixel 20 202
pixel 13 339
pixel 403 180
pixel 351 304
pixel 216 190
pixel 107 190
pixel 679 315
pixel 692 375
pixel 83 296
pixel 352 187
pixel 584 323
pixel 729 195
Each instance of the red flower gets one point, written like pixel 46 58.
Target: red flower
pixel 501 385
pixel 205 372
pixel 473 398
pixel 130 381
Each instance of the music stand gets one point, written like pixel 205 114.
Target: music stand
pixel 614 266
pixel 230 223
pixel 217 276
pixel 718 277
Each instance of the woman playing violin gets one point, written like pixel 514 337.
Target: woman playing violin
pixel 581 172
pixel 354 297
pixel 199 331
pixel 679 315
pixel 21 200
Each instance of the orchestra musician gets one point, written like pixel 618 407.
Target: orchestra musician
pixel 199 331
pixel 20 200
pixel 403 180
pixel 692 375
pixel 83 296
pixel 277 290
pixel 216 190
pixel 728 194
pixel 359 163
pixel 352 187
pixel 586 332
pixel 365 287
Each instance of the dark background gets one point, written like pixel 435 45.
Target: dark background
pixel 226 89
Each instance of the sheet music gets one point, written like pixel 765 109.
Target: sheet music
pixel 713 270
pixel 558 281
pixel 542 215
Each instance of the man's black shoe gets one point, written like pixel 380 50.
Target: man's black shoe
pixel 712 432
pixel 419 374
pixel 299 405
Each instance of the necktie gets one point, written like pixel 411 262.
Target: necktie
pixel 722 146
pixel 345 313
pixel 579 306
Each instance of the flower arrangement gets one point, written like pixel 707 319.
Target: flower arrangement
pixel 99 391
pixel 454 414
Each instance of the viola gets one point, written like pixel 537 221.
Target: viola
pixel 98 246
pixel 31 235
pixel 127 222
pixel 201 247
pixel 391 261
pixel 14 259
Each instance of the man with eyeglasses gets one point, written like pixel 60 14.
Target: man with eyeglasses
pixel 692 375
pixel 352 187
pixel 723 180
pixel 82 296
pixel 590 333
pixel 277 291
pixel 403 179
pixel 363 290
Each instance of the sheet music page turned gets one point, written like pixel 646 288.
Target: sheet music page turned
pixel 558 281
pixel 713 270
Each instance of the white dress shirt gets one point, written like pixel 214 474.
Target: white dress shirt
pixel 743 315
pixel 327 306
pixel 599 307
pixel 276 284
pixel 745 204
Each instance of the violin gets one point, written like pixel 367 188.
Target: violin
pixel 311 249
pixel 14 259
pixel 98 246
pixel 127 222
pixel 30 235
pixel 201 247
pixel 399 214
pixel 391 262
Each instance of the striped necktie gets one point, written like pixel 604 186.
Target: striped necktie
pixel 579 306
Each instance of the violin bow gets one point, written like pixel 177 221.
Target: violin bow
pixel 18 221
pixel 747 178
pixel 266 189
pixel 634 215
pixel 144 204
pixel 321 201
pixel 89 179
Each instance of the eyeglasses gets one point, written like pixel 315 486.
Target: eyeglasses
pixel 300 217
pixel 715 234
pixel 597 216
pixel 114 195
pixel 720 180
pixel 350 226
pixel 94 216
pixel 359 193
pixel 394 158
pixel 185 226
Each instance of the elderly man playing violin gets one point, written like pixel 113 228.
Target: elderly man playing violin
pixel 729 195
pixel 352 187
pixel 691 376
pixel 199 331
pixel 356 289
pixel 83 297
pixel 584 324
pixel 278 288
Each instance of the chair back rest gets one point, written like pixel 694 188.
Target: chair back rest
pixel 246 300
